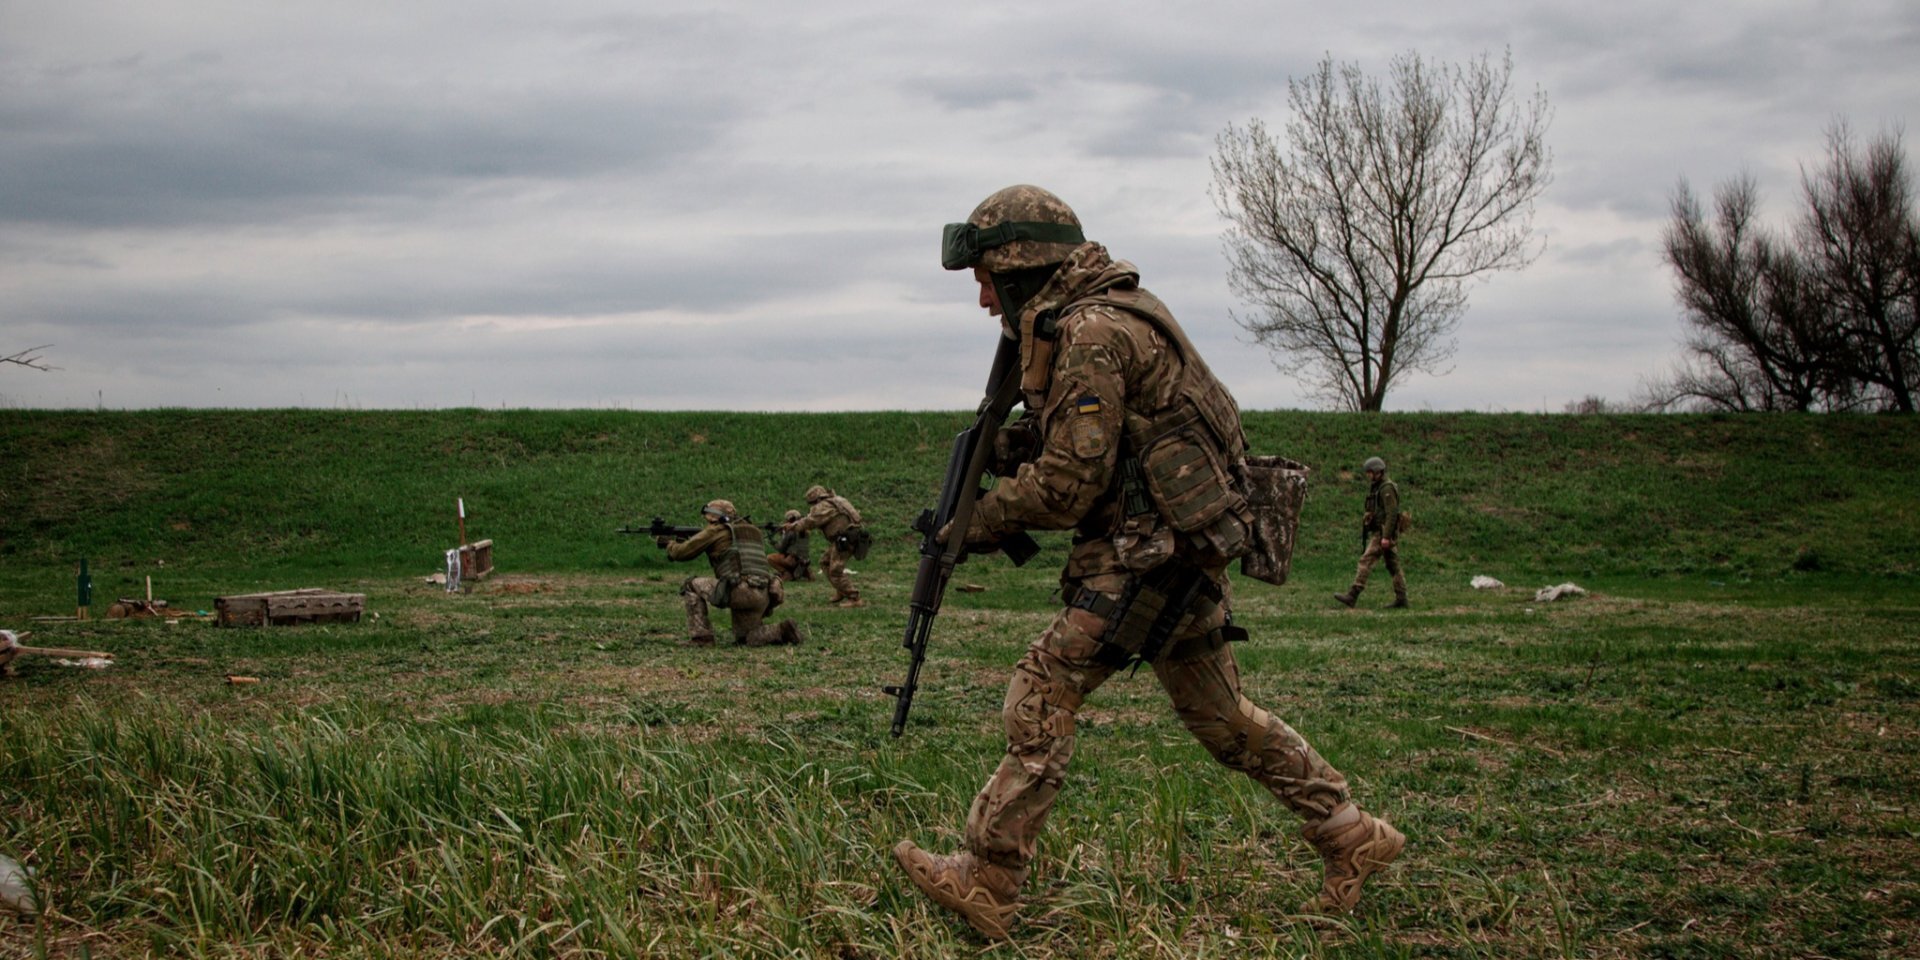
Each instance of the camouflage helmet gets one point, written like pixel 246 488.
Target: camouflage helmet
pixel 817 493
pixel 792 515
pixel 1375 463
pixel 722 509
pixel 1017 228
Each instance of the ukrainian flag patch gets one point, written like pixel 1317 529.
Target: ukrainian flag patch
pixel 1087 404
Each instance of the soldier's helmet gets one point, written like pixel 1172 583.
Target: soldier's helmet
pixel 817 493
pixel 792 515
pixel 721 510
pixel 1375 463
pixel 1017 228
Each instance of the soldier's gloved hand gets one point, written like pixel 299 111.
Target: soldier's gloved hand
pixel 981 546
pixel 1015 444
pixel 662 542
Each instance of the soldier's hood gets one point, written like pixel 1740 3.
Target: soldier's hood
pixel 1088 270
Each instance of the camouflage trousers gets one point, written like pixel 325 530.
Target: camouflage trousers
pixel 833 564
pixel 747 607
pixel 1201 679
pixel 1375 553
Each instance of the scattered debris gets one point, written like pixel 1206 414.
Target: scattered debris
pixel 1481 581
pixel 973 588
pixel 127 608
pixel 16 894
pixel 286 607
pixel 88 663
pixel 1550 594
pixel 11 648
pixel 235 680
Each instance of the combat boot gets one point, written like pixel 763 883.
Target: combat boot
pixel 1352 845
pixel 790 633
pixel 1349 598
pixel 705 640
pixel 983 894
pixel 850 602
pixel 1399 602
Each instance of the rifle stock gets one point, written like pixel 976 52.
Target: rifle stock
pixel 966 465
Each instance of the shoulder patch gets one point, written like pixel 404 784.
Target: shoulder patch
pixel 1089 437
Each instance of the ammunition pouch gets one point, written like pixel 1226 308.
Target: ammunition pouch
pixel 1151 609
pixel 1275 489
pixel 855 542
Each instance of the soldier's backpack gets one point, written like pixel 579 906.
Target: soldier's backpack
pixel 1276 489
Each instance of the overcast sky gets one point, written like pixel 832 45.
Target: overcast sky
pixel 665 205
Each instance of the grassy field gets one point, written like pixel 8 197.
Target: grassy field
pixel 1714 754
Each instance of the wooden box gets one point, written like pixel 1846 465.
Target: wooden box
pixel 285 607
pixel 476 560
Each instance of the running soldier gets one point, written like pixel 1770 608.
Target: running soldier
pixel 1136 439
pixel 742 583
pixel 1380 530
pixel 839 522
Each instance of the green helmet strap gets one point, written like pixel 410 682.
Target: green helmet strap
pixel 961 244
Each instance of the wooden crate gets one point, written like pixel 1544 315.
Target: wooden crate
pixel 285 607
pixel 476 560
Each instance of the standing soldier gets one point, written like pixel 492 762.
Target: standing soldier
pixel 742 583
pixel 790 549
pixel 1380 530
pixel 1135 441
pixel 835 518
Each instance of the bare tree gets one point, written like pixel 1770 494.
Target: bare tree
pixel 29 358
pixel 1823 319
pixel 1355 242
pixel 1860 238
pixel 1760 338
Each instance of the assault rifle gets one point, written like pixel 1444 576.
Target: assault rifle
pixel 966 465
pixel 661 529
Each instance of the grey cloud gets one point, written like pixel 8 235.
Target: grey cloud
pixel 222 157
pixel 970 91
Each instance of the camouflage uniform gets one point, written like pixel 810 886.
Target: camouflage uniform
pixel 1380 523
pixel 791 549
pixel 1118 378
pixel 741 583
pixel 836 519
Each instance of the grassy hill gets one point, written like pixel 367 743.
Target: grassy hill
pixel 1524 497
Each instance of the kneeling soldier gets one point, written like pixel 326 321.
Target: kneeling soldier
pixel 790 549
pixel 742 583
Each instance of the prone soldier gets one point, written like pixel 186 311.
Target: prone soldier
pixel 839 522
pixel 1136 440
pixel 742 582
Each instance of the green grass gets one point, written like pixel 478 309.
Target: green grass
pixel 1714 755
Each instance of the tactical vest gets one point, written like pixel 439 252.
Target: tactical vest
pixel 1176 462
pixel 845 516
pixel 1376 519
pixel 745 559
